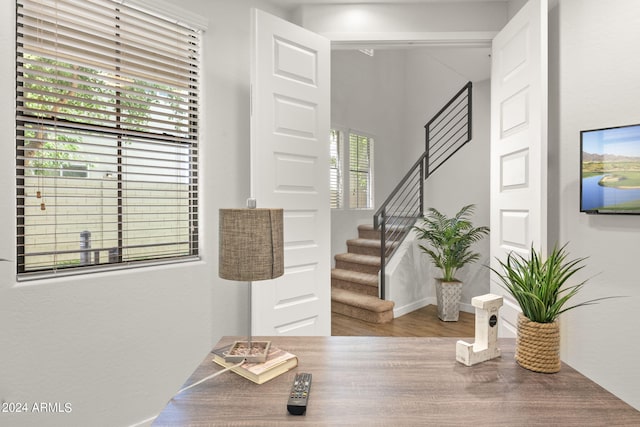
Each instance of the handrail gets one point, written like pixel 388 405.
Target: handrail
pixel 399 212
pixel 397 189
pixel 465 88
pixel 461 108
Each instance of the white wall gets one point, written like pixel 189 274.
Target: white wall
pixel 597 75
pixel 403 18
pixel 367 95
pixel 463 180
pixel 427 84
pixel 393 95
pixel 117 345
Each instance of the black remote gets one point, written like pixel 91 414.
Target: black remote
pixel 299 395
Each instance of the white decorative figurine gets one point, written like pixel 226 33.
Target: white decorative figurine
pixel 485 347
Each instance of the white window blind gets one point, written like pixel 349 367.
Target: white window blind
pixel 360 173
pixel 335 171
pixel 107 137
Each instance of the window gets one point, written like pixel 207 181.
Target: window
pixel 107 137
pixel 360 171
pixel 335 165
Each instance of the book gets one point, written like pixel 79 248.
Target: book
pixel 278 362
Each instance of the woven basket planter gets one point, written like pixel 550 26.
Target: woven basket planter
pixel 448 299
pixel 538 345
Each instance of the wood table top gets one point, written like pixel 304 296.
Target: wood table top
pixel 391 381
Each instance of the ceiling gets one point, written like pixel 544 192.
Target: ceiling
pixel 292 4
pixel 471 62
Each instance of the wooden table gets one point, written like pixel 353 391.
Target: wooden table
pixel 385 381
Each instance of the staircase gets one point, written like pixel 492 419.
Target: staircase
pixel 355 288
pixel 354 280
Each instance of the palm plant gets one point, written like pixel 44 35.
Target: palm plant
pixel 450 239
pixel 539 286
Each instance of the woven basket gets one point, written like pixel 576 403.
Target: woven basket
pixel 538 345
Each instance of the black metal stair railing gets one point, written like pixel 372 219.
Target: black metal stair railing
pixel 448 130
pixel 446 133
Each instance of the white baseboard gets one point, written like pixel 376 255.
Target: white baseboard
pixel 408 308
pixel 145 423
pixel 415 305
pixel 467 308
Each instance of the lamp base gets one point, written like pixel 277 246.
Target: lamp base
pixel 240 351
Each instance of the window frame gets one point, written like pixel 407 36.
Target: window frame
pixel 370 172
pixel 339 168
pixel 192 151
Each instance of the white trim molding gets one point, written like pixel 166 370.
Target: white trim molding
pixel 359 40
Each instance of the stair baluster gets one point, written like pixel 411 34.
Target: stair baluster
pixel 447 132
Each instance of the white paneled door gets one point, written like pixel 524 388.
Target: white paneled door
pixel 290 101
pixel 519 143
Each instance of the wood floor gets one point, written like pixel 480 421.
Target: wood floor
pixel 423 322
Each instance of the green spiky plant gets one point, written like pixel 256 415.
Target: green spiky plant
pixel 450 239
pixel 539 286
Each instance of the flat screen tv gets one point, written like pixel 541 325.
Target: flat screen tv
pixel 610 170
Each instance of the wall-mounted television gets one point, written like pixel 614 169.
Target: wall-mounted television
pixel 610 170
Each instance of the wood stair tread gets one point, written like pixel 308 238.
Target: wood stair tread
pixel 354 280
pixel 367 302
pixel 364 242
pixel 369 227
pixel 355 276
pixel 359 259
pixel 372 243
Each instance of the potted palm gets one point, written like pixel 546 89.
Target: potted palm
pixel 449 248
pixel 540 288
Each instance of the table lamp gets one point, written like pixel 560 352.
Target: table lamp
pixel 251 249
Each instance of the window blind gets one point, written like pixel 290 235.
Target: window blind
pixel 335 171
pixel 360 185
pixel 107 137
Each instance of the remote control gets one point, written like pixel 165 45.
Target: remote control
pixel 297 404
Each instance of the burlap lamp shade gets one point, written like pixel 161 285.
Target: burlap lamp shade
pixel 251 244
pixel 251 248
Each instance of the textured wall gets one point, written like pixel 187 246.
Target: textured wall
pixel 595 70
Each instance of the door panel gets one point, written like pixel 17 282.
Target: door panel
pixel 518 143
pixel 290 170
